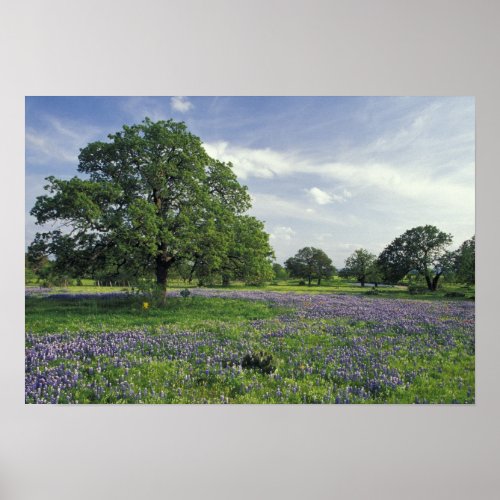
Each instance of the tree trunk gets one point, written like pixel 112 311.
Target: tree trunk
pixel 162 266
pixel 319 281
pixel 309 284
pixel 435 282
pixel 429 282
pixel 225 280
pixel 362 281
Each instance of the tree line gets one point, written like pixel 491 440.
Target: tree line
pixel 151 203
pixel 418 252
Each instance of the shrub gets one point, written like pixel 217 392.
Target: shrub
pixel 454 294
pixel 373 291
pixel 414 289
pixel 302 283
pixel 185 293
pixel 259 360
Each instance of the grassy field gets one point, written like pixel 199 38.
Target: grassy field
pixel 250 346
pixel 115 313
pixel 335 285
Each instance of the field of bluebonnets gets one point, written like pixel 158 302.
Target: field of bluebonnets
pixel 221 346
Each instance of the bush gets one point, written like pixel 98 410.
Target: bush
pixel 185 293
pixel 259 360
pixel 414 289
pixel 454 294
pixel 302 283
pixel 373 291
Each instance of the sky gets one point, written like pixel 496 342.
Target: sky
pixel 336 173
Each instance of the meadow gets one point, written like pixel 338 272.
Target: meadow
pixel 248 346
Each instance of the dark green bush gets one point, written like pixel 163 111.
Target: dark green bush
pixel 260 361
pixel 454 294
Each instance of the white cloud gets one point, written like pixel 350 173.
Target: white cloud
pixel 248 162
pixel 394 185
pixel 282 233
pixel 319 196
pixel 181 104
pixel 324 198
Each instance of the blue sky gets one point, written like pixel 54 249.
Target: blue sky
pixel 337 173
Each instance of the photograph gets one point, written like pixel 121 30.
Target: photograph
pixel 249 250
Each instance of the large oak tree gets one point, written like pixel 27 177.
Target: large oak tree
pixel 149 198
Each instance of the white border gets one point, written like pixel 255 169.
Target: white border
pixel 272 47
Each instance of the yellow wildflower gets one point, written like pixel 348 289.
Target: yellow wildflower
pixel 145 305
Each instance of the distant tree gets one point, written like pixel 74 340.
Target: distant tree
pixel 344 273
pixel 310 263
pixel 280 273
pixel 465 261
pixel 360 264
pixel 420 248
pixel 374 274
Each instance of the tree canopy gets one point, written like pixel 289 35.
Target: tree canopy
pixel 150 198
pixel 464 262
pixel 310 263
pixel 421 249
pixel 361 264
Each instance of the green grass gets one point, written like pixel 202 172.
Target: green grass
pixel 117 314
pixel 335 285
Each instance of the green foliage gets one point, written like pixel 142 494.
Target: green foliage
pixel 249 255
pixel 421 249
pixel 465 262
pixel 149 291
pixel 280 273
pixel 259 360
pixel 362 265
pixel 344 273
pixel 152 199
pixel 185 293
pixel 310 263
